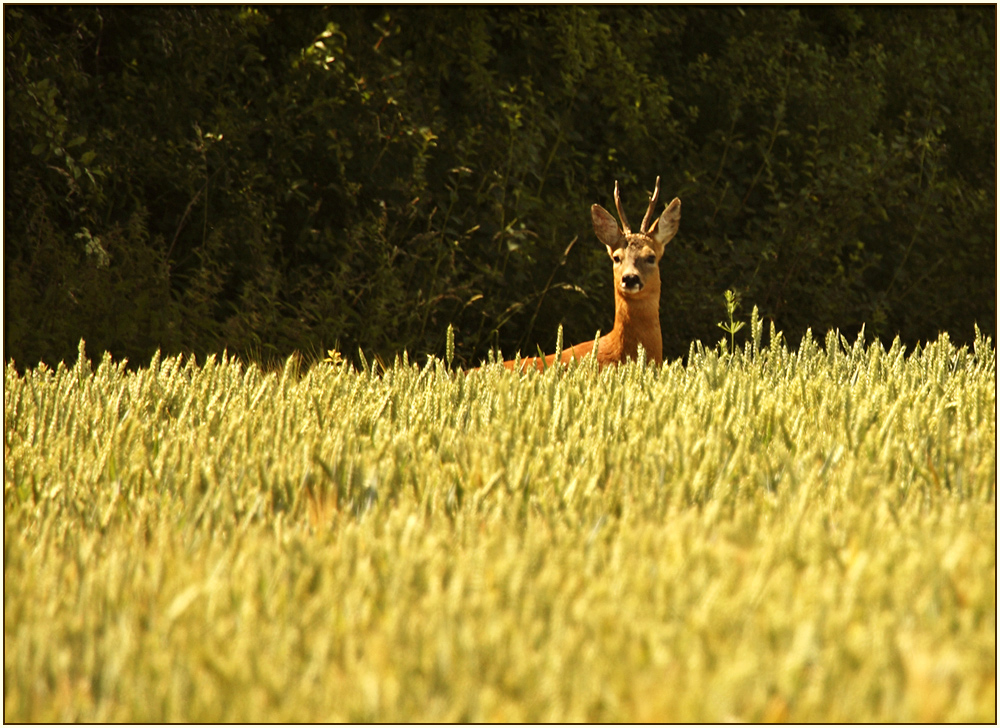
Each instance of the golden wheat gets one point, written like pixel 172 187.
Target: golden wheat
pixel 800 535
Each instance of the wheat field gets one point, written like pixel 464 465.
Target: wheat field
pixel 760 535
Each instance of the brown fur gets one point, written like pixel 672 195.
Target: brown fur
pixel 636 258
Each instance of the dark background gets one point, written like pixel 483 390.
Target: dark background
pixel 271 180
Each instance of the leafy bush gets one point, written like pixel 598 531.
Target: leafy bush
pixel 298 178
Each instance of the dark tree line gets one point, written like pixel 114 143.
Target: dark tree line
pixel 297 178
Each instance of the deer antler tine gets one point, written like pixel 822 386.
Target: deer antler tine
pixel 621 213
pixel 652 205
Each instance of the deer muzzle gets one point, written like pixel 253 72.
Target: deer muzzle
pixel 631 283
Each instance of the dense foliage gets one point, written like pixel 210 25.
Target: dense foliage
pixel 277 179
pixel 775 535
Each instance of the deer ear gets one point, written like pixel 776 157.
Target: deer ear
pixel 666 225
pixel 606 228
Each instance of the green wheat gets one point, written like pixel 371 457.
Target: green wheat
pixel 800 535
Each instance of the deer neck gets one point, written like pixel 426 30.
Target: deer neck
pixel 637 321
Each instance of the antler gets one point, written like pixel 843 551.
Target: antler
pixel 649 212
pixel 621 213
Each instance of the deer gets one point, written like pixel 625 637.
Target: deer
pixel 636 265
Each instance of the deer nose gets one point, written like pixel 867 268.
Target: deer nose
pixel 631 283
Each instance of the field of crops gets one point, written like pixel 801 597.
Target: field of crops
pixel 791 535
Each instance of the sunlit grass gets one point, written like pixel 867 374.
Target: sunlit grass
pixel 800 535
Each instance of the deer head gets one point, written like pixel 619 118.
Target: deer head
pixel 636 256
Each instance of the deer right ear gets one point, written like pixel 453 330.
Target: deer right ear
pixel 606 228
pixel 666 225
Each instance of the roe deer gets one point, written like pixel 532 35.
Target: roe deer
pixel 636 258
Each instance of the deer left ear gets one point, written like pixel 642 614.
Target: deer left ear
pixel 606 228
pixel 666 225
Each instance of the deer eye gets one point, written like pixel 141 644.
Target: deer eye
pixel 617 258
pixel 651 259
